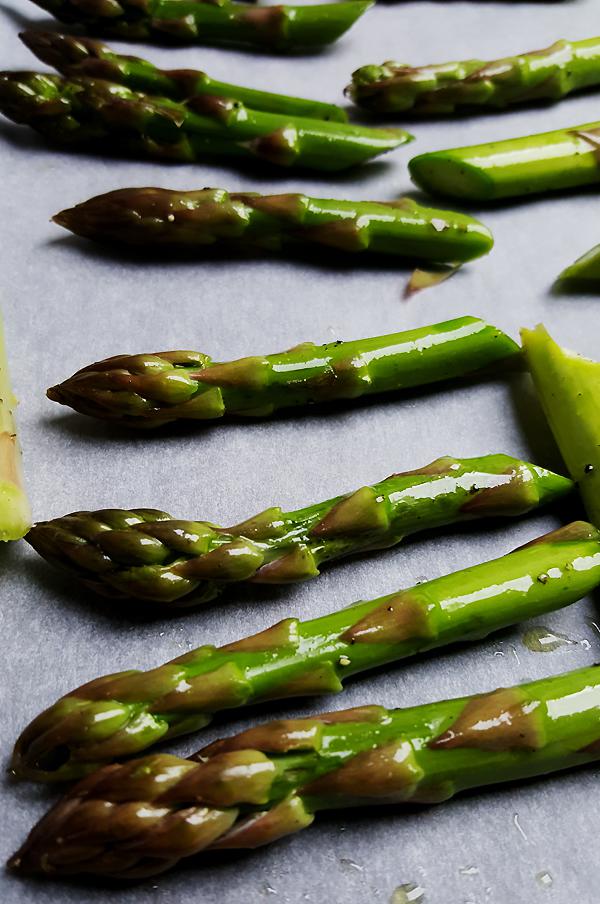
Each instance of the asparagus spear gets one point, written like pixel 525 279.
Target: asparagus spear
pixel 569 389
pixel 158 217
pixel 121 714
pixel 76 56
pixel 145 554
pixel 151 390
pixel 551 73
pixel 565 158
pixel 88 110
pixel 15 515
pixel 245 791
pixel 586 269
pixel 220 22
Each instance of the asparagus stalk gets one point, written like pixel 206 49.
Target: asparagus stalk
pixel 551 73
pixel 151 390
pixel 87 110
pixel 75 56
pixel 248 790
pixel 586 269
pixel 15 514
pixel 121 714
pixel 568 386
pixel 565 158
pixel 163 218
pixel 146 554
pixel 219 22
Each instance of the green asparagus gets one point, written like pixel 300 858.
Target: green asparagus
pixel 220 22
pixel 585 270
pixel 551 73
pixel 15 515
pixel 151 390
pixel 157 217
pixel 146 554
pixel 552 161
pixel 568 386
pixel 118 715
pixel 75 56
pixel 104 114
pixel 245 791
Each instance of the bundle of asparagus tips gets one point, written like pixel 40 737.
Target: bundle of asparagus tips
pixel 119 715
pixel 246 791
pixel 158 218
pixel 151 390
pixel 84 110
pixel 218 22
pixel 76 56
pixel 146 554
pixel 552 74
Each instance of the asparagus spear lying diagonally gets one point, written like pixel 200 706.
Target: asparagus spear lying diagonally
pixel 74 56
pixel 552 73
pixel 565 158
pixel 245 791
pixel 569 389
pixel 145 554
pixel 163 218
pixel 121 714
pixel 150 390
pixel 220 22
pixel 89 110
pixel 15 515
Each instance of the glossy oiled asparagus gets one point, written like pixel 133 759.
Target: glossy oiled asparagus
pixel 150 390
pixel 155 218
pixel 144 553
pixel 121 714
pixel 282 28
pixel 15 514
pixel 245 791
pixel 551 73
pixel 569 389
pixel 111 117
pixel 74 56
pixel 565 158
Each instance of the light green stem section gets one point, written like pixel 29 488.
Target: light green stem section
pixel 565 158
pixel 569 389
pixel 586 268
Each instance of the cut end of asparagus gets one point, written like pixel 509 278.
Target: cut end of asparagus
pixel 438 173
pixel 15 514
pixel 586 269
pixel 569 389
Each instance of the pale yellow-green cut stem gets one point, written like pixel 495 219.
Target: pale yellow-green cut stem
pixel 15 514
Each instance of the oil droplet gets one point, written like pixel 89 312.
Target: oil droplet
pixel 344 660
pixel 347 863
pixel 542 640
pixel 545 879
pixel 408 894
pixel 469 871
